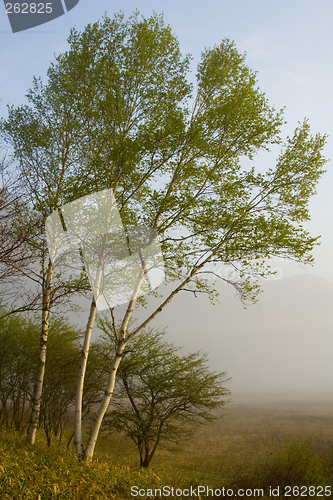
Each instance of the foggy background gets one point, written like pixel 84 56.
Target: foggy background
pixel 285 342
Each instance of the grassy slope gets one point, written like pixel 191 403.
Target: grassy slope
pixel 253 446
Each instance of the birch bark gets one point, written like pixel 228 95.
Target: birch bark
pixel 38 387
pixel 84 357
pixel 79 389
pixel 89 450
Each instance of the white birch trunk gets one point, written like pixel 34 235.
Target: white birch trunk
pixel 83 365
pixel 89 451
pixel 90 448
pixel 38 387
pixel 79 388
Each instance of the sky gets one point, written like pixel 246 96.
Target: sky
pixel 289 44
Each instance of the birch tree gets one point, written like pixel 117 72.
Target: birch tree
pixel 41 136
pixel 175 163
pixel 112 76
pixel 173 157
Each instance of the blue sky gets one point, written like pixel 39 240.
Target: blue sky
pixel 289 43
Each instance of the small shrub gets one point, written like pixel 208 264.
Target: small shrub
pixel 291 464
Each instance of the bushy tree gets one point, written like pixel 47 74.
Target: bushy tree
pixel 60 376
pixel 160 395
pixel 61 372
pixel 18 359
pixel 118 112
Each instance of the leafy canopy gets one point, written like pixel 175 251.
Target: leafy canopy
pixel 117 111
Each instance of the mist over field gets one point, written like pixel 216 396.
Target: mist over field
pixel 281 344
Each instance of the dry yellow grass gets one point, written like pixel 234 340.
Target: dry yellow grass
pixel 263 442
pixel 249 436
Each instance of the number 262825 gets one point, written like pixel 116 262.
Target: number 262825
pixel 29 8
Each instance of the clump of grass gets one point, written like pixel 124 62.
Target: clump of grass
pixel 292 463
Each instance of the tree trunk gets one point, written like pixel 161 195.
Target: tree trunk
pixel 79 389
pixel 94 431
pixel 38 387
pixel 70 440
pixel 150 455
pixel 89 451
pixel 145 462
pixel 84 358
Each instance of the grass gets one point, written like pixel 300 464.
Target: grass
pixel 41 474
pixel 254 446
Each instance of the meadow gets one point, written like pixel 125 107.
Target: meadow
pixel 259 444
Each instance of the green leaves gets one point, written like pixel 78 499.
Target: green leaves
pixel 230 108
pixel 117 111
pixel 126 80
